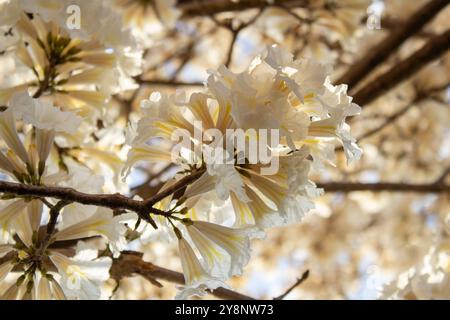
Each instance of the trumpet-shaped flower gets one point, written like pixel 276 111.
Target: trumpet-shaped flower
pixel 82 275
pixel 197 280
pixel 209 237
pixel 102 223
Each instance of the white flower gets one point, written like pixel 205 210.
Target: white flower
pixel 82 275
pixel 22 226
pixel 43 290
pixel 8 133
pixel 8 213
pixel 144 152
pixel 305 77
pixel 162 115
pixel 207 237
pixel 5 268
pixel 9 12
pixel 102 223
pixel 43 115
pixel 339 106
pixel 256 212
pixel 220 175
pixel 197 280
pixel 220 166
pixel 15 292
pixel 5 165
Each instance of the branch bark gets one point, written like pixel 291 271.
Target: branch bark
pixel 118 201
pixel 384 186
pixel 131 262
pixel 380 52
pixel 193 8
pixel 112 201
pixel 433 49
pixel 297 283
pixel 420 97
pixel 162 82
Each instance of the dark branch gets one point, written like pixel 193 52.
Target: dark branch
pixel 420 97
pixel 381 51
pixel 384 186
pixel 130 263
pixel 432 50
pixel 192 8
pixel 162 82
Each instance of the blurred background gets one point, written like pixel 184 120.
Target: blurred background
pixel 382 219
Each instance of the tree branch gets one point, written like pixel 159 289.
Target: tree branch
pixel 433 49
pixel 112 201
pixel 131 262
pixel 420 97
pixel 235 33
pixel 51 225
pixel 380 52
pixel 162 82
pixel 143 207
pixel 435 187
pixel 173 188
pixel 192 8
pixel 299 281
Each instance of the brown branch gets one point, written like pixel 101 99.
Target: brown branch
pixel 443 176
pixel 118 201
pixel 153 177
pixel 163 82
pixel 182 183
pixel 112 201
pixel 235 31
pixel 51 225
pixel 392 23
pixel 130 263
pixel 380 52
pixel 192 8
pixel 384 186
pixel 420 97
pixel 299 281
pixel 234 36
pixel 433 49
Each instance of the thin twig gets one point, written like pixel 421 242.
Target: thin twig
pixel 163 82
pixel 420 97
pixel 51 225
pixel 295 285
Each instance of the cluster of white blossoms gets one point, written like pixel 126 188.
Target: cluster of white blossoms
pixel 62 54
pixel 428 280
pixel 44 271
pixel 62 77
pixel 50 137
pixel 293 97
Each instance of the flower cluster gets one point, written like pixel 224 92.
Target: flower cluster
pixel 77 64
pixel 58 79
pixel 47 272
pixel 427 280
pixel 292 97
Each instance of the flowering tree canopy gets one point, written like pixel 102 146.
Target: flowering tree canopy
pixel 172 149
